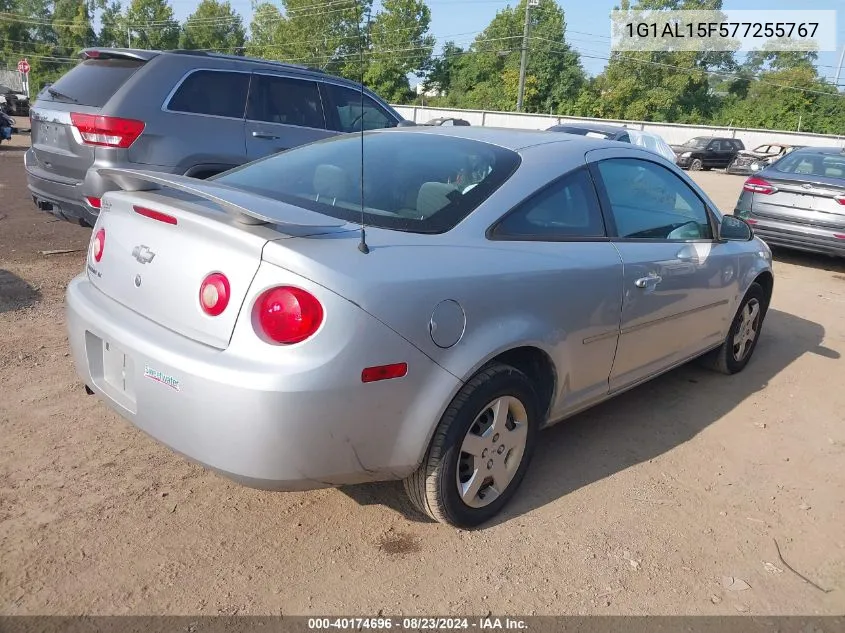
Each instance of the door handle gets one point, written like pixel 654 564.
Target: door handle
pixel 262 135
pixel 645 282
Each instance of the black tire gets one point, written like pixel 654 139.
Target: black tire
pixel 433 487
pixel 723 358
pixel 696 165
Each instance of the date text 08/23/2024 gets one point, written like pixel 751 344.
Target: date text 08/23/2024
pixel 417 623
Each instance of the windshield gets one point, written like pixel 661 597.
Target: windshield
pixel 699 143
pixel 424 183
pixel 812 164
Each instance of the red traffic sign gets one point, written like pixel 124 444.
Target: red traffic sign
pixel 23 66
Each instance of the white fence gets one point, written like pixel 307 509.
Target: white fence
pixel 672 133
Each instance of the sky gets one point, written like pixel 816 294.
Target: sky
pixel 588 23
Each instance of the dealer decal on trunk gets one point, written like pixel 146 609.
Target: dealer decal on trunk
pixel 164 379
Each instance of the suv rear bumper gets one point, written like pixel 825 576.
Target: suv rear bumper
pixel 62 199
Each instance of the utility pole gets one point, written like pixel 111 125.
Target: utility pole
pixel 129 37
pixel 523 62
pixel 839 68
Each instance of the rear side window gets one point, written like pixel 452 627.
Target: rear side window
pixel 284 100
pixel 567 208
pixel 346 114
pixel 92 82
pixel 218 93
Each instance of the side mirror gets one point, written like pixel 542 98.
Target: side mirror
pixel 734 229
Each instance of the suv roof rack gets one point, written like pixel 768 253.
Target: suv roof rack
pixel 255 60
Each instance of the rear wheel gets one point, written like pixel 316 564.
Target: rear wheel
pixel 739 344
pixel 696 165
pixel 480 450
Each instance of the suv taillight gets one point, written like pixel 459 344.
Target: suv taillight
pixel 107 131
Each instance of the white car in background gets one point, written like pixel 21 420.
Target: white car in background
pixel 652 142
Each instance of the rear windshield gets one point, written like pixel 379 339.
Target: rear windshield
pixel 812 164
pixel 422 183
pixel 92 82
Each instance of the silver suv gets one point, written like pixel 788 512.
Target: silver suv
pixel 180 112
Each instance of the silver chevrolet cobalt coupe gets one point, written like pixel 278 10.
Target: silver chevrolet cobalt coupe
pixel 504 281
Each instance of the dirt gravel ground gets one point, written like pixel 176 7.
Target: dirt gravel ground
pixel 648 504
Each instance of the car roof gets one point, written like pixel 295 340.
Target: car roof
pixel 147 55
pixel 507 138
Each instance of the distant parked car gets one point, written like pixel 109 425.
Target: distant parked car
pixel 181 112
pixel 13 103
pixel 594 130
pixel 705 152
pixel 654 143
pixel 447 121
pixel 749 161
pixel 799 201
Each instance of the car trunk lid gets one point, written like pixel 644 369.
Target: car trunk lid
pixel 160 246
pixel 815 203
pixel 61 145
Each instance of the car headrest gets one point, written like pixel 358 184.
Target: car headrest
pixel 432 197
pixel 330 181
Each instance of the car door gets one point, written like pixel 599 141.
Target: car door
pixel 282 112
pixel 713 154
pixel 678 280
pixel 578 289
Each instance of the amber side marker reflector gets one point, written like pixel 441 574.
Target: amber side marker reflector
pixel 384 372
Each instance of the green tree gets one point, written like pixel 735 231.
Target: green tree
pixel 152 25
pixel 262 30
pixel 399 45
pixel 328 37
pixel 443 67
pixel 112 25
pixel 658 85
pixel 72 26
pixel 481 77
pixel 214 26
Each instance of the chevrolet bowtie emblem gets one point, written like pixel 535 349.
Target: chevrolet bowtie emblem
pixel 143 254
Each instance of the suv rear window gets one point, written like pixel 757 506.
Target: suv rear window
pixel 421 183
pixel 215 92
pixel 92 82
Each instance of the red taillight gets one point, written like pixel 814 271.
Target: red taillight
pixel 288 315
pixel 99 245
pixel 214 294
pixel 108 131
pixel 155 215
pixel 384 372
pixel 758 185
pixel 840 199
pixel 749 221
pixel 839 236
pixel 94 202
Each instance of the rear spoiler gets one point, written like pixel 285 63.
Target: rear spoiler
pixel 243 206
pixel 118 53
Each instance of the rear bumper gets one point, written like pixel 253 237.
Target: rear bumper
pixel 65 199
pixel 267 426
pixel 805 238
